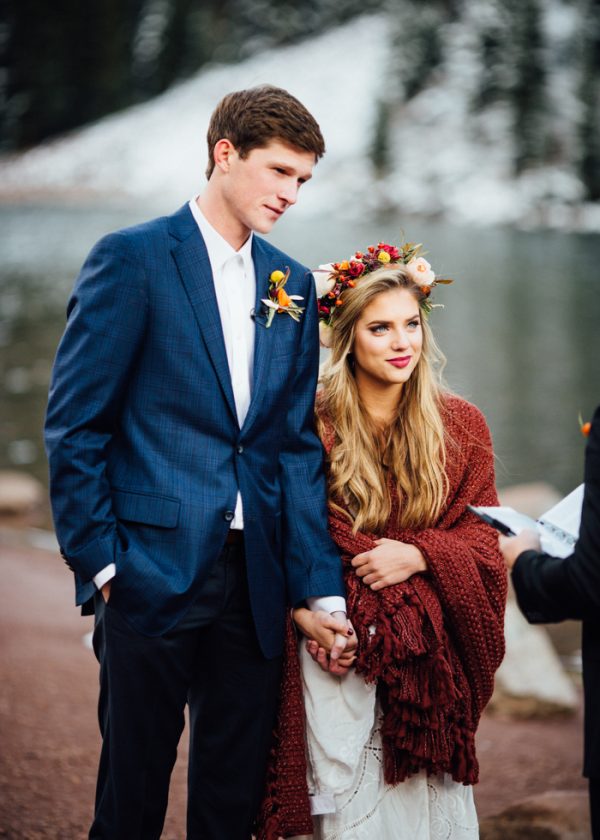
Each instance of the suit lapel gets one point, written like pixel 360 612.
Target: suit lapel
pixel 192 260
pixel 264 264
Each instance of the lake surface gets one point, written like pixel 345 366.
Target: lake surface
pixel 520 326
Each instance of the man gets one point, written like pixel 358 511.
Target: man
pixel 186 478
pixel 552 589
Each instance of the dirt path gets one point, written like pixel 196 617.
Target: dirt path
pixel 49 739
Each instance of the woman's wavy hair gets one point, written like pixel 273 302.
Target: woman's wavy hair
pixel 411 451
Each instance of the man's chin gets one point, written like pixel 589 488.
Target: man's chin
pixel 264 225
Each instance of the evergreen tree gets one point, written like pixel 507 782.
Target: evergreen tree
pixel 494 33
pixel 527 91
pixel 417 39
pixel 380 146
pixel 67 63
pixel 589 127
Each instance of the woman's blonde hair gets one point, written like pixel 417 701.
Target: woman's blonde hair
pixel 411 451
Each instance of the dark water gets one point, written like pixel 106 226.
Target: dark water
pixel 521 325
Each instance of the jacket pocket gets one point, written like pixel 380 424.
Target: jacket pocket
pixel 145 508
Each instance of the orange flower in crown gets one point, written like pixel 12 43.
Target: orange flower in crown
pixel 334 278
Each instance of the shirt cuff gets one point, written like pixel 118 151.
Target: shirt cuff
pixel 327 603
pixel 104 575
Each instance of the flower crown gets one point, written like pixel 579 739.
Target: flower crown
pixel 334 278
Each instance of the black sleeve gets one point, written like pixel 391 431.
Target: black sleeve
pixel 552 589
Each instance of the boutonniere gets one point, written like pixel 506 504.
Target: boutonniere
pixel 279 300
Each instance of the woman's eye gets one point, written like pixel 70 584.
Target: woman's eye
pixel 414 324
pixel 378 329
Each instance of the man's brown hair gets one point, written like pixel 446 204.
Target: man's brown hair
pixel 251 118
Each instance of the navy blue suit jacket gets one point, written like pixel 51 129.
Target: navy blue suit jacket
pixel 145 451
pixel 551 589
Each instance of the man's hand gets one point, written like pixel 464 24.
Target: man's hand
pixel 332 640
pixel 389 562
pixel 339 667
pixel 511 547
pixel 106 591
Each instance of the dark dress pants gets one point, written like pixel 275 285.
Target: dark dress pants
pixel 213 661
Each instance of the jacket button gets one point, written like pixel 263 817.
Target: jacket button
pixel 229 514
pixel 240 449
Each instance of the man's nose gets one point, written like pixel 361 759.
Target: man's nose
pixel 288 192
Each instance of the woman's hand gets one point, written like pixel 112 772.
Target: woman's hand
pixel 331 638
pixel 339 667
pixel 389 562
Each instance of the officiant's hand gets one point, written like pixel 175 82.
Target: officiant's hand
pixel 331 638
pixel 391 561
pixel 511 547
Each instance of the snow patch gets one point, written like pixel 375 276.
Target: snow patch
pixel 446 158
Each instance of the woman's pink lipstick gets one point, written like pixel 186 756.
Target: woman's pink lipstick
pixel 401 361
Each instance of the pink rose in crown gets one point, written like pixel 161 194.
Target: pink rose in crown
pixel 420 271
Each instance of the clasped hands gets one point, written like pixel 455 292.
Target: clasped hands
pixel 331 640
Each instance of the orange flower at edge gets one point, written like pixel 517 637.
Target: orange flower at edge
pixel 283 299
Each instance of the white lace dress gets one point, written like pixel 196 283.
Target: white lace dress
pixel 349 797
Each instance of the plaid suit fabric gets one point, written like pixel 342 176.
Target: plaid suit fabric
pixel 146 454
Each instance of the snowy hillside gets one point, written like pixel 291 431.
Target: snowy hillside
pixel 444 158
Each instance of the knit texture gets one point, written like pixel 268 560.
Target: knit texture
pixel 438 642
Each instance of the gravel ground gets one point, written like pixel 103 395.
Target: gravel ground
pixel 50 742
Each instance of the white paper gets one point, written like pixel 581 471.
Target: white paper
pixel 558 527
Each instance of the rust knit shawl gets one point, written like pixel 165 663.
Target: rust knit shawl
pixel 439 636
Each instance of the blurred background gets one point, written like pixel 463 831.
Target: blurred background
pixel 472 126
pixel 469 125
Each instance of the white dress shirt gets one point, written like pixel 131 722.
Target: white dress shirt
pixel 235 286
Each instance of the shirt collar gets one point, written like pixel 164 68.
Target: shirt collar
pixel 219 250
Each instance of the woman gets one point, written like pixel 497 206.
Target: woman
pixel 391 745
